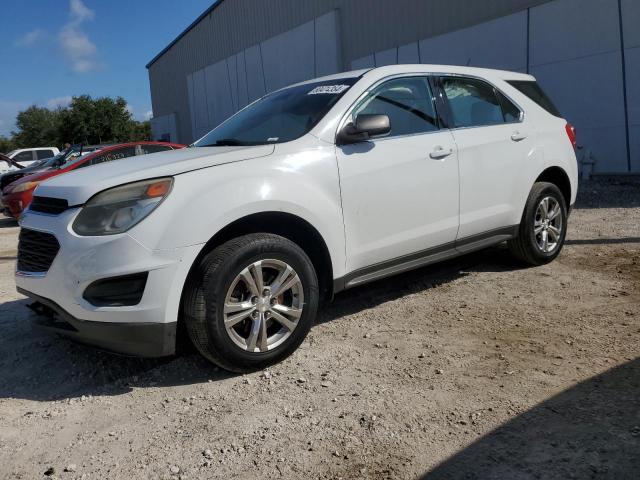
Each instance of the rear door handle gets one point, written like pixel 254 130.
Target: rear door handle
pixel 517 136
pixel 439 153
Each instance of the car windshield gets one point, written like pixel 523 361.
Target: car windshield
pixel 62 159
pixel 279 117
pixel 50 162
pixel 73 159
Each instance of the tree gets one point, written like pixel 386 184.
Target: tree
pixel 85 120
pixel 37 127
pixel 6 144
pixel 141 131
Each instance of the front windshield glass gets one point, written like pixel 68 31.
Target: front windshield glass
pixel 50 162
pixel 72 160
pixel 279 117
pixel 61 159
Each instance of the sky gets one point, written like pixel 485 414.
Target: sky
pixel 52 50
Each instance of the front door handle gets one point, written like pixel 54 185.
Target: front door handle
pixel 439 153
pixel 517 136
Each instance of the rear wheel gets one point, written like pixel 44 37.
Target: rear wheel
pixel 543 226
pixel 251 302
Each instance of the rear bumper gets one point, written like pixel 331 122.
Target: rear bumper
pixel 136 339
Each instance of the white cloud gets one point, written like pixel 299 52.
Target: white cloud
pixel 31 38
pixel 148 115
pixel 80 12
pixel 129 109
pixel 78 48
pixel 59 102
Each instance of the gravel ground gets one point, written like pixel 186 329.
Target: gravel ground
pixel 476 368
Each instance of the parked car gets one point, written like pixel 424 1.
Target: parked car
pixel 27 156
pixel 18 195
pixel 8 165
pixel 54 162
pixel 63 157
pixel 319 187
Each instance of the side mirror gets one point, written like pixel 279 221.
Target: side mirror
pixel 366 126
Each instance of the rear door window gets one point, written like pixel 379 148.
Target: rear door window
pixel 473 103
pixel 532 90
pixel 510 111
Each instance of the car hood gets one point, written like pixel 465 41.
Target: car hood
pixel 81 184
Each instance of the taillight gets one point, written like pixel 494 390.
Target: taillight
pixel 571 132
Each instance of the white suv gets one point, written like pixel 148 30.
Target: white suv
pixel 311 190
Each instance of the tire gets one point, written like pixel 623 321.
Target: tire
pixel 528 246
pixel 222 287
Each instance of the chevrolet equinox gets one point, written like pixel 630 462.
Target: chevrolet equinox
pixel 310 190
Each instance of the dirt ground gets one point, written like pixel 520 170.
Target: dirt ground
pixel 477 369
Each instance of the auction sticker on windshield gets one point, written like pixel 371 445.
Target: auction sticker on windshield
pixel 330 89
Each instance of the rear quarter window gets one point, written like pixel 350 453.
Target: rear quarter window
pixel 535 93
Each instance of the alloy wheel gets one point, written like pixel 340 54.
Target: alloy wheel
pixel 263 305
pixel 547 225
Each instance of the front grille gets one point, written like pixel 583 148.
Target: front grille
pixel 36 251
pixel 50 205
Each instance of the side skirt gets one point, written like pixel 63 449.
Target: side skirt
pixel 424 257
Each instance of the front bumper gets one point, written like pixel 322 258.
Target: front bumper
pixel 141 329
pixel 138 339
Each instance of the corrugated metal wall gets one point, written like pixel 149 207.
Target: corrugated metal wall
pixel 217 91
pixel 585 54
pixel 365 25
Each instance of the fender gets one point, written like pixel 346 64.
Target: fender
pixel 220 195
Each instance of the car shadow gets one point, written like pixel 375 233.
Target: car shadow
pixel 591 430
pixel 39 365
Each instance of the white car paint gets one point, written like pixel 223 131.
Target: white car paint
pixel 18 155
pixel 371 202
pixel 6 167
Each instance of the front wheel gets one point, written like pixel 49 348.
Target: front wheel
pixel 251 302
pixel 543 226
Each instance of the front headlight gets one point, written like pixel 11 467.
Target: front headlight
pixel 118 209
pixel 23 187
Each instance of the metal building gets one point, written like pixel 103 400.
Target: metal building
pixel 585 54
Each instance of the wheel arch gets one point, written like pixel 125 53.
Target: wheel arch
pixel 287 225
pixel 559 177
